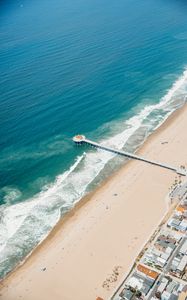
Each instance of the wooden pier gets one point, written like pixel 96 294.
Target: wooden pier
pixel 81 139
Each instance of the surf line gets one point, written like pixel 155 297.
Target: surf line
pixel 81 139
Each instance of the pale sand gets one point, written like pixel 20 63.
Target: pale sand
pixel 106 231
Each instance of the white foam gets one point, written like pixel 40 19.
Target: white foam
pixel 12 217
pixel 36 216
pixel 11 194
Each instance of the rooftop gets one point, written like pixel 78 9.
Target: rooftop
pixel 79 138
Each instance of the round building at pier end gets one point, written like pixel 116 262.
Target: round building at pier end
pixel 79 139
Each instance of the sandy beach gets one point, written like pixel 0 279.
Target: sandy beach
pixel 107 229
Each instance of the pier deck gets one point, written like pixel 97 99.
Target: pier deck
pixel 81 139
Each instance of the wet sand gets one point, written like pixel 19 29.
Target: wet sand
pixel 89 252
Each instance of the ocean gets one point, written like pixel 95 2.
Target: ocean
pixel 111 70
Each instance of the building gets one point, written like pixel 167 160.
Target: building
pixel 178 264
pixel 167 289
pixel 139 283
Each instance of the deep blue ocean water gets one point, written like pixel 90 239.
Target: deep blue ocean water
pixel 112 70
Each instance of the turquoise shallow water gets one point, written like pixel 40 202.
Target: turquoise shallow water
pixel 112 70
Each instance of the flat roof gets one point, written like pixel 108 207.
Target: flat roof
pixel 147 271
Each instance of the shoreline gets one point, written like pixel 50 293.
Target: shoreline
pixel 90 194
pixel 69 220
